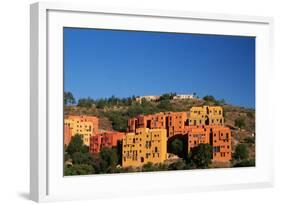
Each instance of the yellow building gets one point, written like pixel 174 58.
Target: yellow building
pixel 84 125
pixel 143 146
pixel 206 115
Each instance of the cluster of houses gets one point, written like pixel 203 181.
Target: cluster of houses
pixel 157 97
pixel 147 136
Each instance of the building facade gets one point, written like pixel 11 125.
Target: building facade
pixel 197 135
pixel 148 98
pixel 83 125
pixel 67 134
pixel 105 140
pixel 206 115
pixel 143 146
pixel 173 122
pixel 183 96
pixel 221 143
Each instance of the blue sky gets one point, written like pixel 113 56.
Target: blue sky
pixel 102 63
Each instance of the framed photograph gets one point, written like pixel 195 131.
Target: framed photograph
pixel 128 102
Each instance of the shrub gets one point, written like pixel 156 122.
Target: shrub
pixel 200 156
pixel 240 122
pixel 241 152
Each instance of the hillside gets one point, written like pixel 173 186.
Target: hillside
pixel 113 115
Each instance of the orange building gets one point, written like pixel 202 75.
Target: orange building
pixel 147 121
pixel 105 139
pixel 86 126
pixel 67 134
pixel 197 135
pixel 221 143
pixel 173 122
pixel 218 137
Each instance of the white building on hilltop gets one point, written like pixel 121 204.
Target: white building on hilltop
pixel 184 96
pixel 148 98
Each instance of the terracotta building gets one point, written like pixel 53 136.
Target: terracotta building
pixel 143 146
pixel 218 137
pixel 84 125
pixel 197 135
pixel 221 143
pixel 206 115
pixel 147 98
pixel 67 134
pixel 105 140
pixel 173 122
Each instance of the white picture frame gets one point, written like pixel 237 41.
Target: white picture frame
pixel 46 141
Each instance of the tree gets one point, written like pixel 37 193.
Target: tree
pixel 245 163
pixel 76 145
pixel 200 156
pixel 209 98
pixel 148 167
pixel 165 105
pixel 101 103
pixel 240 122
pixel 250 140
pixel 178 165
pixel 166 96
pixel 78 169
pixel 109 160
pixel 81 158
pixel 176 147
pixel 119 121
pixel 68 98
pixel 86 102
pixel 241 152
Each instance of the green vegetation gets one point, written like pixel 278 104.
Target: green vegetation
pixel 86 102
pixel 177 147
pixel 200 156
pixel 240 122
pixel 250 140
pixel 211 100
pixel 79 161
pixel 178 165
pixel 241 152
pixel 167 96
pixel 76 145
pixel 114 113
pixel 77 158
pixel 245 163
pixel 78 169
pixel 68 98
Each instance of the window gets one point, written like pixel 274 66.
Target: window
pixel 156 149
